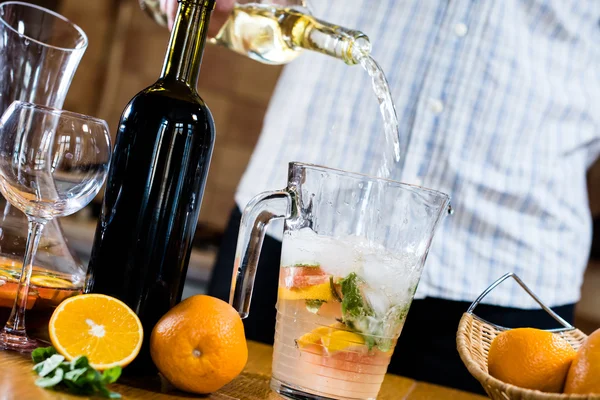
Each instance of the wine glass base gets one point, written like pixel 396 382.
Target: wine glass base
pixel 20 343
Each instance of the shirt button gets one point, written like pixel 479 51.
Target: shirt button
pixel 460 29
pixel 436 106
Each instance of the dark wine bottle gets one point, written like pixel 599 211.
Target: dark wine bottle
pixel 155 184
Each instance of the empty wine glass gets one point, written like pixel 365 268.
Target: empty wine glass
pixel 52 164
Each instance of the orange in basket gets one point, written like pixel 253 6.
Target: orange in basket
pixel 531 358
pixel 584 375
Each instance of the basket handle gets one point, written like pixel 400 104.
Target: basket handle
pixel 487 291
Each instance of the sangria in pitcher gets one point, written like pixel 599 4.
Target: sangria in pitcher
pixel 353 252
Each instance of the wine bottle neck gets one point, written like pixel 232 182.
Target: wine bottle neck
pixel 188 37
pixel 345 44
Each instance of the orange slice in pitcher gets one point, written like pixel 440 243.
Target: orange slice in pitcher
pixel 304 283
pixel 315 292
pixel 100 327
pixel 342 350
pixel 332 338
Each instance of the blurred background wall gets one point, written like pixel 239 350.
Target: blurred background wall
pixel 125 55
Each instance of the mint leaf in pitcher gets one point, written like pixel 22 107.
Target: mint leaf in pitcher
pixel 314 305
pixel 352 302
pixel 357 314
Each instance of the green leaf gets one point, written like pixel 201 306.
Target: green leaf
pixel 314 305
pixel 356 314
pixel 50 381
pixel 74 374
pixel 91 376
pixel 75 388
pixel 38 367
pixel 369 341
pixel 111 375
pixel 50 365
pixel 79 362
pixel 352 301
pixel 42 353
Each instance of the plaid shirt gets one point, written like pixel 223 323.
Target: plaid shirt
pixel 501 99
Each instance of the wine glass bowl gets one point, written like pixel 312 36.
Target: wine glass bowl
pixel 52 164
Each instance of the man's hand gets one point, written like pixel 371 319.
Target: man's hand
pixel 222 10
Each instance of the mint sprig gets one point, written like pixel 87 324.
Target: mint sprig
pixel 358 315
pixel 76 376
pixel 352 302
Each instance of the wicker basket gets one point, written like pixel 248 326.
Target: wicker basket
pixel 473 340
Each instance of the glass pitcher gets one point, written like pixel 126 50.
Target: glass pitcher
pixel 39 53
pixel 277 31
pixel 353 252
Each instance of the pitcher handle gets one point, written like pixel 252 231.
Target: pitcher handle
pixel 261 210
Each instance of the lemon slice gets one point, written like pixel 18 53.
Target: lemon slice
pixel 100 327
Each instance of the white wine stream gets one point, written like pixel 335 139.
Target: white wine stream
pixel 277 35
pixel 395 143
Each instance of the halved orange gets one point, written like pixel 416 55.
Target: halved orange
pixel 100 327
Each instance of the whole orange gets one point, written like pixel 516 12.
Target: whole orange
pixel 199 345
pixel 531 358
pixel 584 374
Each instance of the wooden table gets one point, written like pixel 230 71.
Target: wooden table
pixel 16 383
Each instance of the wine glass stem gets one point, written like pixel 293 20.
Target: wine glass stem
pixel 16 322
